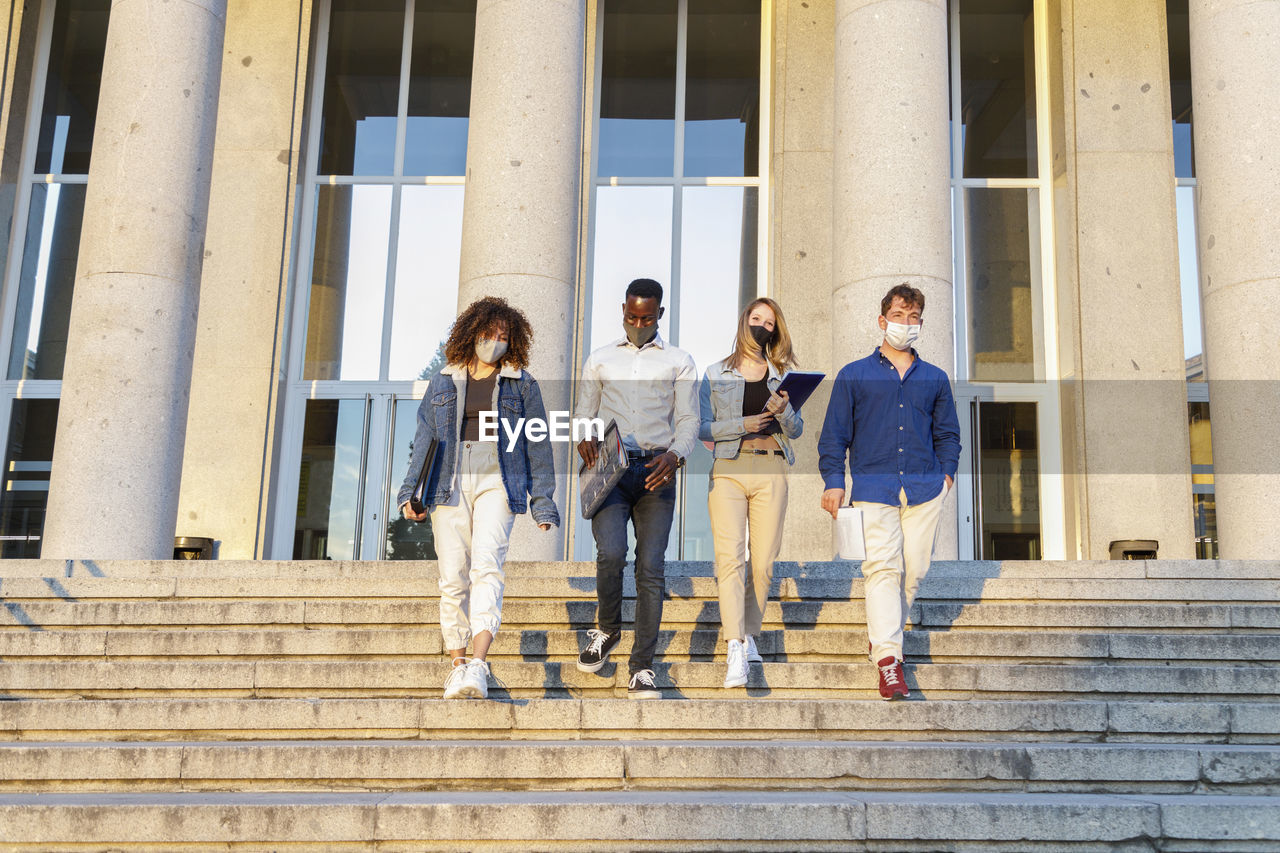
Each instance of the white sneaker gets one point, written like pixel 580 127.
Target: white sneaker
pixel 736 675
pixel 453 684
pixel 475 684
pixel 753 656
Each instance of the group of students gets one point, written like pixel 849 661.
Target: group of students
pixel 891 417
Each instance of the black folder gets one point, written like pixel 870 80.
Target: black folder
pixel 424 477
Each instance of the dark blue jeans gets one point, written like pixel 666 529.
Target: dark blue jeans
pixel 650 513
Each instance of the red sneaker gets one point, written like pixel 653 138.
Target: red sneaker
pixel 892 680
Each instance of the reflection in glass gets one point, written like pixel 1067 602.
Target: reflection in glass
pixel 439 87
pixel 1204 507
pixel 1180 87
pixel 362 85
pixel 632 240
pixel 43 309
pixel 998 89
pixel 329 480
pixel 718 249
pixel 406 540
pixel 28 462
pixel 1189 272
pixel 722 89
pixel 71 90
pixel 348 282
pixel 638 89
pixel 1009 481
pixel 1002 281
pixel 426 279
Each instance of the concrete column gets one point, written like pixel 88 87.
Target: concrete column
pixel 1126 413
pixel 520 217
pixel 892 181
pixel 237 374
pixel 1235 73
pixel 122 420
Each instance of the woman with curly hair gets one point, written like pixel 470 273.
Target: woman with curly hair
pixel 479 486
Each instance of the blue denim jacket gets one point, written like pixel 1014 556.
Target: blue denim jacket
pixel 528 470
pixel 720 404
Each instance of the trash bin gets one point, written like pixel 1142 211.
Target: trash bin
pixel 1134 549
pixel 192 548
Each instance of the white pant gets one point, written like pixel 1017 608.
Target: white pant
pixel 471 534
pixel 899 541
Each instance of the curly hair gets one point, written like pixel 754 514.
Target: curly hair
pixel 483 315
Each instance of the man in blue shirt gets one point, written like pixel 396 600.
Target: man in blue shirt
pixel 893 415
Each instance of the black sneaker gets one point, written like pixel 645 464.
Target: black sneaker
pixel 599 644
pixel 641 686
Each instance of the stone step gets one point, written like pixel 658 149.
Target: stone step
pixel 407 677
pixel 371 570
pixel 676 820
pixel 832 644
pixel 33 615
pixel 577 765
pixel 934 588
pixel 206 718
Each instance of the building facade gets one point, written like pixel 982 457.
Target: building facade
pixel 239 232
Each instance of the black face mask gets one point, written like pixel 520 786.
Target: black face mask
pixel 762 335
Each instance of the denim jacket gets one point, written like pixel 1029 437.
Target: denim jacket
pixel 528 470
pixel 720 403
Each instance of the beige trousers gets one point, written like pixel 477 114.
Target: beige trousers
pixel 747 502
pixel 899 541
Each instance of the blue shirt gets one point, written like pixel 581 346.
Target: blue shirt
pixel 898 434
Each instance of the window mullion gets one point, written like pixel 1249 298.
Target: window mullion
pixel 402 104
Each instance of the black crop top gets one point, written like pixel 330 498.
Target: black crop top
pixel 754 396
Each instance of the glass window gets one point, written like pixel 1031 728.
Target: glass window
pixel 426 277
pixel 638 89
pixel 28 461
pixel 1001 254
pixel 1189 272
pixel 697 231
pixel 997 89
pixel 348 282
pixel 444 33
pixel 43 309
pixel 722 90
pixel 74 77
pixel 329 480
pixel 406 540
pixel 1009 480
pixel 1203 507
pixel 362 87
pixel 1180 87
pixel 632 240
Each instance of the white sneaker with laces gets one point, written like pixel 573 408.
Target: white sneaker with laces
pixel 475 684
pixel 753 656
pixel 736 675
pixel 453 684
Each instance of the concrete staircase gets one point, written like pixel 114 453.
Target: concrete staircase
pixel 1085 705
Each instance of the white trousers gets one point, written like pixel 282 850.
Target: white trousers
pixel 471 534
pixel 899 541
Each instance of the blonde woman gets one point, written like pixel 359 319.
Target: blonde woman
pixel 752 426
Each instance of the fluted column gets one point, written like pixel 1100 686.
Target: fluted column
pixel 520 217
pixel 122 419
pixel 1235 76
pixel 892 180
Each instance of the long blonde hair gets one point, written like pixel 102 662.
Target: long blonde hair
pixel 778 352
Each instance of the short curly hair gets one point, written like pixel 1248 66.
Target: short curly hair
pixel 481 316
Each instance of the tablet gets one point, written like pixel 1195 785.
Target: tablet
pixel 799 384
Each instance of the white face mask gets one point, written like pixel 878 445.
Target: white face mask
pixel 489 351
pixel 900 336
